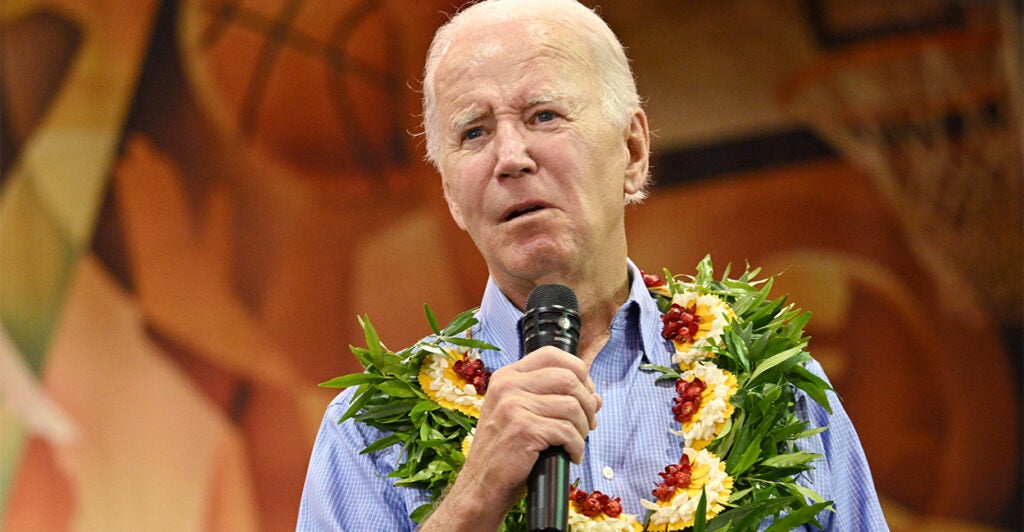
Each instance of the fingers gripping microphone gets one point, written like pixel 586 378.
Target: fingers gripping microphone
pixel 552 318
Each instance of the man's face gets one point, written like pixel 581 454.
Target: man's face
pixel 531 167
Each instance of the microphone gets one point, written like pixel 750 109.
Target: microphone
pixel 552 318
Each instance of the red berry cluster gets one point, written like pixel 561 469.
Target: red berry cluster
pixel 688 399
pixel 595 503
pixel 681 323
pixel 675 476
pixel 651 280
pixel 472 370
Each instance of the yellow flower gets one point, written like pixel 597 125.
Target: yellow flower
pixel 467 442
pixel 440 382
pixel 712 315
pixel 715 408
pixel 707 474
pixel 662 290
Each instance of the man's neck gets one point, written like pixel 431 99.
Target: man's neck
pixel 599 296
pixel 598 305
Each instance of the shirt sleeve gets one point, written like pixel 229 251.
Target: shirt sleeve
pixel 346 490
pixel 843 474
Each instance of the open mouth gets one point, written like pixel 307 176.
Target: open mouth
pixel 519 212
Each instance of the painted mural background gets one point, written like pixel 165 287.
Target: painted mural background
pixel 198 197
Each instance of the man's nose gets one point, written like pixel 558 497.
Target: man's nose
pixel 512 143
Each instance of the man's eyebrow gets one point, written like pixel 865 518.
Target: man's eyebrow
pixel 462 121
pixel 539 99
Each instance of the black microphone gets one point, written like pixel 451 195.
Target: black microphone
pixel 552 318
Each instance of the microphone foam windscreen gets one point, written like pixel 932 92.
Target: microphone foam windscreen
pixel 547 295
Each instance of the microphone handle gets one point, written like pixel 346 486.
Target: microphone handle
pixel 547 488
pixel 547 497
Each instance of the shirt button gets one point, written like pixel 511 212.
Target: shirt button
pixel 608 473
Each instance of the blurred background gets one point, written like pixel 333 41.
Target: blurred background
pixel 199 196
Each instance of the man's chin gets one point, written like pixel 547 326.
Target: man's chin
pixel 539 265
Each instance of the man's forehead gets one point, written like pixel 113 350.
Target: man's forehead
pixel 473 46
pixel 483 56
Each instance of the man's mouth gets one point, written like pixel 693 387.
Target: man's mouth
pixel 519 212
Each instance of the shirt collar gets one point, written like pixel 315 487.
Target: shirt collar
pixel 657 350
pixel 499 320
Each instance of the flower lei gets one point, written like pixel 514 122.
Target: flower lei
pixel 737 360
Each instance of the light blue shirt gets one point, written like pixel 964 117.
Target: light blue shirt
pixel 348 491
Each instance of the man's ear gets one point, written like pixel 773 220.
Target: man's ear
pixel 638 143
pixel 453 207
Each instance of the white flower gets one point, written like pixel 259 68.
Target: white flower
pixel 581 523
pixel 715 408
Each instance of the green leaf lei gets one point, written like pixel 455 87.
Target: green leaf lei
pixel 763 346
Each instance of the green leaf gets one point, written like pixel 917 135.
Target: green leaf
pixel 421 408
pixel 791 459
pixel 363 355
pixel 421 512
pixel 728 270
pixel 795 518
pixel 399 388
pixel 433 469
pixel 350 380
pixel 722 446
pixel 359 398
pixel 666 372
pixel 814 386
pixel 748 516
pixel 705 271
pixel 431 319
pixel 428 433
pixel 433 349
pixel 471 343
pixel 760 345
pixel 809 432
pixel 373 344
pixel 390 409
pixel 739 494
pixel 747 459
pixel 700 517
pixel 460 323
pixel 787 429
pixel 736 347
pixel 782 358
pixel 794 328
pixel 382 443
pixel 805 492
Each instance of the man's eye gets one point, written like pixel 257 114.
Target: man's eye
pixel 471 134
pixel 545 116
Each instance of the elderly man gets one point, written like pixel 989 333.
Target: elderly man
pixel 532 117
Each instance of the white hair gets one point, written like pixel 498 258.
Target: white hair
pixel 619 97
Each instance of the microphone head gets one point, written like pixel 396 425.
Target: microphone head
pixel 552 317
pixel 547 295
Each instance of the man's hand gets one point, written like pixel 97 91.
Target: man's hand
pixel 545 399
